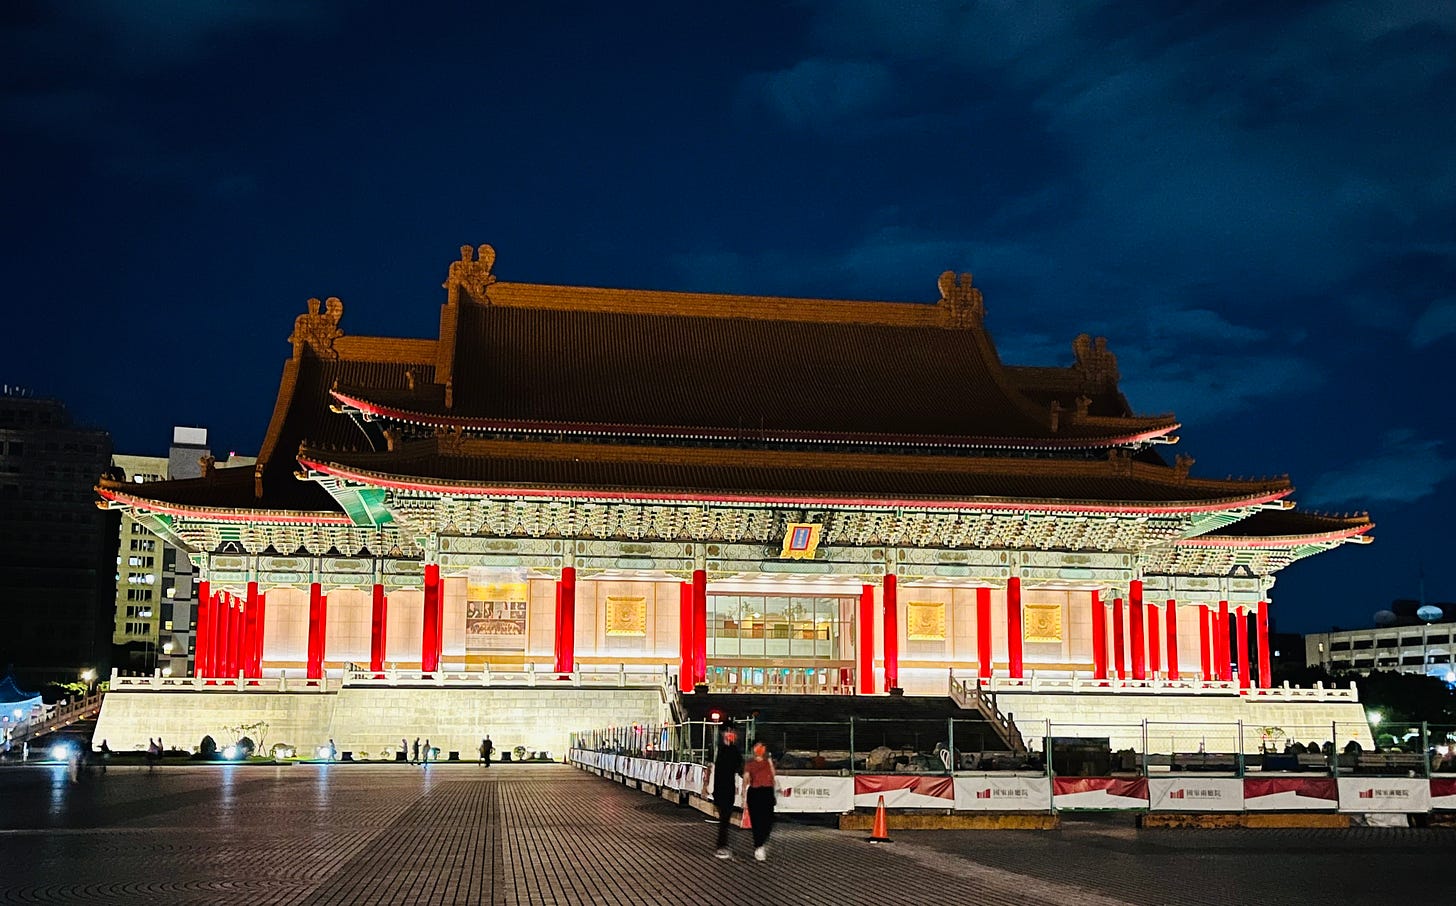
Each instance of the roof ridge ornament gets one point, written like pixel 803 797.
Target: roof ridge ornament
pixel 963 302
pixel 1096 363
pixel 472 273
pixel 1182 464
pixel 317 330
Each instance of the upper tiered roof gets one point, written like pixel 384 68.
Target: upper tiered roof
pixel 554 389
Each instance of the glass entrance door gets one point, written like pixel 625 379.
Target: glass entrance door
pixel 800 680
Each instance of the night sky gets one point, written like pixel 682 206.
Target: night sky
pixel 1255 202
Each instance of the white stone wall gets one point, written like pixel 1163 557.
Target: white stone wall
pixel 373 720
pixel 129 719
pixel 1183 721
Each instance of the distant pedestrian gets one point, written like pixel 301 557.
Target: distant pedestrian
pixel 727 765
pixel 25 751
pixel 333 750
pixel 404 750
pixel 105 751
pixel 416 758
pixel 487 748
pixel 758 799
pixel 152 753
pixel 428 752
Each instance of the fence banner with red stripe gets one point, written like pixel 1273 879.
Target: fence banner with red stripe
pixel 1003 794
pixel 903 791
pixel 800 793
pixel 1196 794
pixel 1100 792
pixel 1290 794
pixel 1443 792
pixel 1385 794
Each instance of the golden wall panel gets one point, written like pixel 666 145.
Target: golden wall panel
pixel 1041 622
pixel 925 621
pixel 626 615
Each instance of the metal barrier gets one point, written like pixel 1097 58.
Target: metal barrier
pixel 1147 748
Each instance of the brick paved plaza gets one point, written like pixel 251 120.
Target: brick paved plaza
pixel 549 834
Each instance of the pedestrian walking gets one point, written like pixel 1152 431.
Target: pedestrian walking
pixel 333 750
pixel 151 753
pixel 758 799
pixel 487 748
pixel 727 765
pixel 404 750
pixel 416 758
pixel 428 752
pixel 105 751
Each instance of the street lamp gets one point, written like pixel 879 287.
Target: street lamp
pixel 88 676
pixel 1374 717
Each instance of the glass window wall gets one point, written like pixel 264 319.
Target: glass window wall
pixel 779 626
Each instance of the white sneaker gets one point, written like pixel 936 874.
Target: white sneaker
pixel 761 854
pixel 723 854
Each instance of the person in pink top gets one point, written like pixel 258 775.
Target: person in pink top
pixel 760 780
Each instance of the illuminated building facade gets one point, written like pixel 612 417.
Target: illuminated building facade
pixel 752 493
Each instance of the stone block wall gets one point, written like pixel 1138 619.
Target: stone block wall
pixel 371 721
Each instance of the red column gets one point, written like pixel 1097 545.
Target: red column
pixel 378 629
pixel 201 649
pixel 1261 621
pixel 983 632
pixel 1099 637
pixel 1241 630
pixel 892 633
pixel 566 602
pixel 700 626
pixel 1155 654
pixel 251 634
pixel 685 637
pixel 1119 659
pixel 430 648
pixel 258 636
pixel 867 640
pixel 1221 642
pixel 1013 627
pixel 315 667
pixel 1135 628
pixel 1171 618
pixel 1205 639
pixel 220 635
pixel 235 637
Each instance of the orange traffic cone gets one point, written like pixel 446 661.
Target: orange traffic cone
pixel 881 832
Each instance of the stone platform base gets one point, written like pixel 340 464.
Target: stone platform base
pixel 370 722
pixel 987 821
pixel 1259 820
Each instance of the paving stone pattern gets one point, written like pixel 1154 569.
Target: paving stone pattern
pixel 516 835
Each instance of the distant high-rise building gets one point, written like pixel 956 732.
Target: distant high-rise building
pixel 57 575
pixel 143 562
pixel 156 601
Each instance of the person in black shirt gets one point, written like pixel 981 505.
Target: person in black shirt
pixel 727 765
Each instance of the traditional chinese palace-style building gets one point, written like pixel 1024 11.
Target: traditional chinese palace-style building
pixel 739 492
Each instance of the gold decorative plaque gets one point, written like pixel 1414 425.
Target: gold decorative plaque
pixel 925 621
pixel 626 616
pixel 1041 622
pixel 801 540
